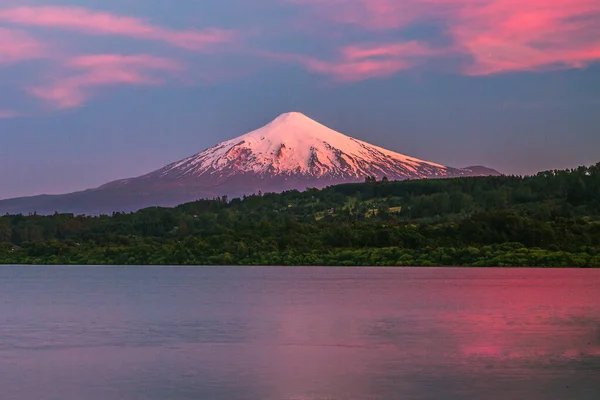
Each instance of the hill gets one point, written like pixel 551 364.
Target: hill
pixel 551 219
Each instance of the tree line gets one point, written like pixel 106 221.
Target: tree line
pixel 550 219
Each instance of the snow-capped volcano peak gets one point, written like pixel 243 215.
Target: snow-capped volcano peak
pixel 295 132
pixel 293 117
pixel 291 152
pixel 296 145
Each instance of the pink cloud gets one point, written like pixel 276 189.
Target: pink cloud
pixel 96 71
pixel 102 23
pixel 16 46
pixel 349 71
pixel 509 35
pixel 404 50
pixel 359 62
pixel 498 35
pixel 6 114
pixel 371 14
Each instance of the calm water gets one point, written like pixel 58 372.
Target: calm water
pixel 298 334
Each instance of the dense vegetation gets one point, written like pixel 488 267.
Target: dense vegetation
pixel 551 219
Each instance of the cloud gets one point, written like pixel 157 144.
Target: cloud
pixel 80 76
pixel 6 114
pixel 507 35
pixel 95 71
pixel 375 39
pixel 103 23
pixel 359 62
pixel 350 71
pixel 498 36
pixel 369 14
pixel 16 46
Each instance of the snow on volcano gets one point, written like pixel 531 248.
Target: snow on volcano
pixel 294 145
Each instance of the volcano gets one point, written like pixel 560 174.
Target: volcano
pixel 291 152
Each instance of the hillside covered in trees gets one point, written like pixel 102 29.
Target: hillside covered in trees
pixel 551 219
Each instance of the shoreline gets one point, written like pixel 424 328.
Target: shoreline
pixel 295 266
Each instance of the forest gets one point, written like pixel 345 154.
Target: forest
pixel 551 219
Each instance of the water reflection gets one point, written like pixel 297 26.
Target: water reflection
pixel 304 333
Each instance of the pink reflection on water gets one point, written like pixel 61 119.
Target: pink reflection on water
pixel 541 316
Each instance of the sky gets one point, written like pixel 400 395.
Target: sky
pixel 97 90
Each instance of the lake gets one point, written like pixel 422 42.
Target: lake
pixel 152 333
